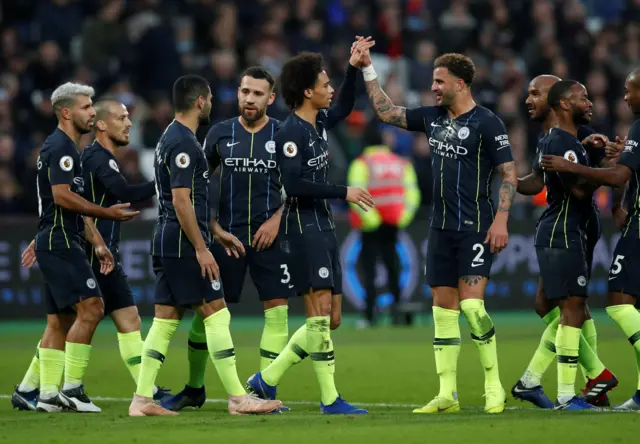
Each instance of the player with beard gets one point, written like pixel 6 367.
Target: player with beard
pixel 528 387
pixel 105 186
pixel 187 275
pixel 559 239
pixel 73 299
pixel 624 284
pixel 250 207
pixel 467 142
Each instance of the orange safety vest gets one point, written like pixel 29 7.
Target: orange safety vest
pixel 385 184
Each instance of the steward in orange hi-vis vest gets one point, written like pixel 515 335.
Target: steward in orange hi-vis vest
pixel 392 182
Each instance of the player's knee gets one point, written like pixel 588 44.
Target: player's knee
pixel 91 310
pixel 126 319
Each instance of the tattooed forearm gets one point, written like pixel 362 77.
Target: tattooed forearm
pixel 508 187
pixel 385 110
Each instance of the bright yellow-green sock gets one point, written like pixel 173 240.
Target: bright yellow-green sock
pixel 130 345
pixel 154 352
pixel 446 348
pixel 567 345
pixel 75 364
pixel 51 370
pixel 222 352
pixel 483 334
pixel 544 355
pixel 628 319
pixel 320 348
pixel 31 380
pixel 590 364
pixel 293 353
pixel 274 335
pixel 197 352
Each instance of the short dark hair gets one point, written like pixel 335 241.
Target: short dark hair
pixel 298 74
pixel 187 89
pixel 458 65
pixel 260 73
pixel 560 90
pixel 103 107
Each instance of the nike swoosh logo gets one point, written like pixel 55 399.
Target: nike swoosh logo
pixel 517 390
pixel 476 265
pixel 435 125
pixel 229 145
pixel 612 278
pixel 290 286
pixel 311 143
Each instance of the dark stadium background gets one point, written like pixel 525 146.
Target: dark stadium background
pixel 135 49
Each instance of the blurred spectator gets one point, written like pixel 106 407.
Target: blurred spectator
pixel 159 117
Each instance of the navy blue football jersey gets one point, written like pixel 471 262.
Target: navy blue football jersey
pixel 58 164
pixel 179 163
pixel 106 186
pixel 464 152
pixel 250 188
pixel 630 158
pixel 561 224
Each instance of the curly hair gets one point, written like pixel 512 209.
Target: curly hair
pixel 298 74
pixel 458 65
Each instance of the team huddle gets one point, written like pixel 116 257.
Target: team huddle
pixel 273 219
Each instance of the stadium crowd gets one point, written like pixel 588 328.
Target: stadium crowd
pixel 135 49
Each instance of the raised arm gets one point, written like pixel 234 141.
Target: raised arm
pixel 384 108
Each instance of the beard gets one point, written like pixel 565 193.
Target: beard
pixel 257 114
pixel 119 142
pixel 82 128
pixel 580 117
pixel 542 116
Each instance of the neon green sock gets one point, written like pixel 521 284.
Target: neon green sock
pixel 222 352
pixel 154 352
pixel 567 345
pixel 130 345
pixel 628 319
pixel 483 334
pixel 31 380
pixel 274 335
pixel 446 348
pixel 322 356
pixel 590 364
pixel 544 355
pixel 75 364
pixel 197 352
pixel 551 316
pixel 51 370
pixel 293 353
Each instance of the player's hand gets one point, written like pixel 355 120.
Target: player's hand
pixel 619 216
pixel 614 149
pixel 106 259
pixel 266 234
pixel 29 255
pixel 360 56
pixel 231 244
pixel 497 236
pixel 596 140
pixel 208 265
pixel 121 213
pixel 555 164
pixel 360 197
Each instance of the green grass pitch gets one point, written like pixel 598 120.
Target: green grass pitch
pixel 387 370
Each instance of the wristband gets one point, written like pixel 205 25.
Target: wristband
pixel 369 73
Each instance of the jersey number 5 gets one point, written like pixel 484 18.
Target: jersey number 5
pixel 616 267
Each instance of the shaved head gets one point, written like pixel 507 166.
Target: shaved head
pixel 106 107
pixel 537 97
pixel 632 91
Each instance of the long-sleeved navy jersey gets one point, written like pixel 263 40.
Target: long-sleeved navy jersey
pixel 179 163
pixel 250 187
pixel 58 163
pixel 303 156
pixel 630 158
pixel 464 152
pixel 561 224
pixel 106 186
